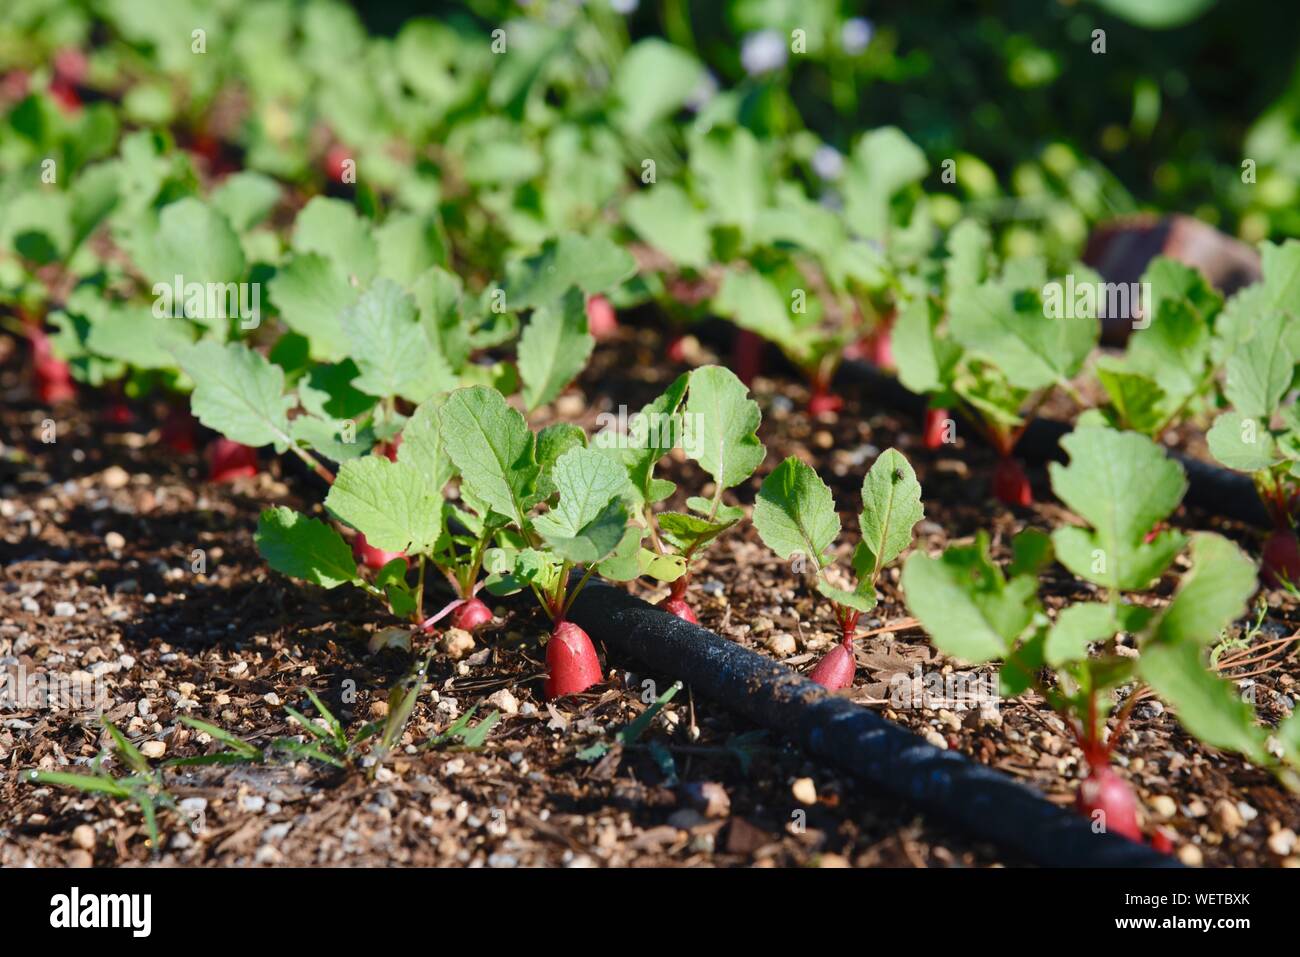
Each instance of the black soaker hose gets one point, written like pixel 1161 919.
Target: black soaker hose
pixel 1217 490
pixel 980 801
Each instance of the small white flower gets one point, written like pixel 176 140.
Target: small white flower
pixel 704 91
pixel 828 162
pixel 763 52
pixel 624 7
pixel 855 34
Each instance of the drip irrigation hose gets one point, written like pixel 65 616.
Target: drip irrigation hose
pixel 978 800
pixel 1217 490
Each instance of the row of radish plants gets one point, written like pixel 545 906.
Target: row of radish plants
pixel 416 318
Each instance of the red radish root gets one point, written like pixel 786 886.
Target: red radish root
pixel 1281 559
pixel 389 449
pixel 880 348
pixel 51 375
pixel 676 603
pixel 179 431
pixel 747 356
pixel 679 607
pixel 1011 484
pixel 371 557
pixel 823 401
pixel 117 412
pixel 1105 798
pixel 936 428
pixel 571 662
pixel 471 614
pixel 1161 842
pixel 336 161
pixel 229 460
pixel 835 670
pixel 601 320
pixel 677 349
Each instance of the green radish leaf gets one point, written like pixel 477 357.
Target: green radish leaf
pixel 1277 294
pixel 246 198
pixel 327 391
pixel 883 162
pixel 753 302
pixel 624 563
pixel 305 548
pixel 1075 628
pixel 394 505
pixel 552 442
pixel 863 598
pixel 1031 552
pixel 554 348
pixel 968 245
pixel 512 570
pixel 689 533
pixel 1211 596
pixel 1138 399
pixel 409 245
pixel 653 80
pixel 1259 373
pixel 195 242
pixel 722 425
pixel 94 194
pixel 925 361
pixel 333 229
pixel 1242 443
pixel 970 610
pixel 722 513
pixel 795 514
pixel 337 439
pixel 652 433
pixel 1122 484
pixel 238 393
pixel 662 568
pixel 422 445
pixel 117 334
pixel 401 600
pixel 312 296
pixel 1022 666
pixel 730 168
pixel 1176 282
pixel 439 295
pixel 588 521
pixel 389 348
pixel 493 449
pixel 1008 327
pixel 891 508
pixel 1208 706
pixel 591 263
pixel 664 216
pixel 1174 349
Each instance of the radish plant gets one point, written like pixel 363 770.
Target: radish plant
pixel 400 507
pixel 1120 485
pixel 795 516
pixel 997 355
pixel 813 278
pixel 709 413
pixel 1172 358
pixel 1260 435
pixel 513 473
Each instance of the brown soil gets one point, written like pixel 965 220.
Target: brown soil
pixel 104 524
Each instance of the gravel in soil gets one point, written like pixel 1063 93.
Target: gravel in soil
pixel 124 574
